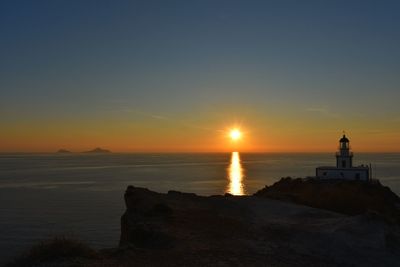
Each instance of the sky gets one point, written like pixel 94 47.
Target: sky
pixel 175 76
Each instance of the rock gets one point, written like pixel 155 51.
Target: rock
pixel 347 197
pixel 180 229
pixel 143 223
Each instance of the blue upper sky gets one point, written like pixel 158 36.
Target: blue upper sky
pixel 188 58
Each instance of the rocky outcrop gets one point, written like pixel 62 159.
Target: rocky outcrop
pixel 143 224
pixel 183 229
pixel 348 197
pixel 180 229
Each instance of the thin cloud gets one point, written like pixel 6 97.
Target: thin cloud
pixel 323 111
pixel 159 117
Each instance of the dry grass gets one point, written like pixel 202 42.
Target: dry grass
pixel 55 249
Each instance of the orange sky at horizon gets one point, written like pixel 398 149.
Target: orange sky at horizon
pixel 164 135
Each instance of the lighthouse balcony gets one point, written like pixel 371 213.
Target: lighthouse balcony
pixel 343 153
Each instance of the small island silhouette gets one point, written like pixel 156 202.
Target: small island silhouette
pixel 98 150
pixel 63 151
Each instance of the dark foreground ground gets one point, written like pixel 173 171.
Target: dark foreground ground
pixel 349 224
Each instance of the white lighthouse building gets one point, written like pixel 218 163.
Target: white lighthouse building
pixel 344 165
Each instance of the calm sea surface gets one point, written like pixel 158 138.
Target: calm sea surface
pixel 43 195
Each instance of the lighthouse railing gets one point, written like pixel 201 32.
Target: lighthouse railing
pixel 350 154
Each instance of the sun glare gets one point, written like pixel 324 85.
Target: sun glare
pixel 235 134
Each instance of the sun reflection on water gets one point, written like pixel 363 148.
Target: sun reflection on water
pixel 235 176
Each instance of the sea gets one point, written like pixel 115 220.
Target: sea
pixel 81 195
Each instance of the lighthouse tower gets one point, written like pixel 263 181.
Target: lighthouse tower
pixel 344 158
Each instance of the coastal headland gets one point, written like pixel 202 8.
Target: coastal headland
pixel 295 222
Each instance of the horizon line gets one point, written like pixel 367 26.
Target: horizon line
pixel 190 152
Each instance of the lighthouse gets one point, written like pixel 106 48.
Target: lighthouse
pixel 344 165
pixel 344 158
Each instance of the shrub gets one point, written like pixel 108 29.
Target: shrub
pixel 57 248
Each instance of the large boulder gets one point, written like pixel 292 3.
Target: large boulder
pixel 143 224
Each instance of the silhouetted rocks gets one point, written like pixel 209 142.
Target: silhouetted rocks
pixel 98 150
pixel 181 229
pixel 63 151
pixel 142 225
pixel 184 229
pixel 348 197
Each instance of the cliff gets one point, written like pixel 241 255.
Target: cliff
pixel 180 229
pixel 183 229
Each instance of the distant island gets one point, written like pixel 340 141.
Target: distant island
pixel 63 151
pixel 98 150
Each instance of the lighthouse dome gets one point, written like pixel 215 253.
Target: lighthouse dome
pixel 344 139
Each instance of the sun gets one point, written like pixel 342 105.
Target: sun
pixel 235 134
